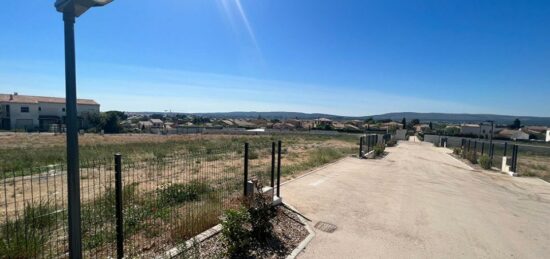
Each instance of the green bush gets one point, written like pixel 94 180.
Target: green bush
pixel 180 193
pixel 485 162
pixel 235 233
pixel 391 143
pixel 457 151
pixel 471 156
pixel 25 237
pixel 21 240
pixel 379 150
pixel 261 213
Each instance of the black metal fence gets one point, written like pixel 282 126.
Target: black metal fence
pixel 525 159
pixel 139 207
pixel 369 141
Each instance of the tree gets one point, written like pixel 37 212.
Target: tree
pixel 370 120
pixel 413 123
pixel 111 122
pixel 516 124
pixel 157 116
pixel 431 126
pixel 404 122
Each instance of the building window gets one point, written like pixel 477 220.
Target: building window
pixel 63 109
pixel 25 109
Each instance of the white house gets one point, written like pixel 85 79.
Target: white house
pixel 513 134
pixel 39 112
pixel 483 131
pixel 548 135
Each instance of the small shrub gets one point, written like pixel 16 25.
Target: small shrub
pixel 26 237
pixel 40 216
pixel 457 151
pixel 235 233
pixel 253 155
pixel 180 193
pixel 391 143
pixel 261 213
pixel 471 156
pixel 19 239
pixel 379 150
pixel 485 162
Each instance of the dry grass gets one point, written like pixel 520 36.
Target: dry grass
pixel 152 163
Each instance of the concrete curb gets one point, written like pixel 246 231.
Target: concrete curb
pixel 304 242
pixel 189 243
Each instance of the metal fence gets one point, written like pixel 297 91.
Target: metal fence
pixel 367 142
pixel 140 207
pixel 525 159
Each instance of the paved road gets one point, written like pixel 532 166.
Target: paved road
pixel 420 202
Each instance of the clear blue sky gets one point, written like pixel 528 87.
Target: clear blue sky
pixel 341 57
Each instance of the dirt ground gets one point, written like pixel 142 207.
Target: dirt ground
pixel 419 202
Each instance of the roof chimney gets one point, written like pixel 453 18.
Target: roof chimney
pixel 11 97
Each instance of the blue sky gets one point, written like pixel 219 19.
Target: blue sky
pixel 340 57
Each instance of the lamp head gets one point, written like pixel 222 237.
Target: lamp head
pixel 80 6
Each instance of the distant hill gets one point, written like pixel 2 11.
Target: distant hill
pixel 397 116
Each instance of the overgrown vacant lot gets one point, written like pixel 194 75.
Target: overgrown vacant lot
pixel 22 152
pixel 174 186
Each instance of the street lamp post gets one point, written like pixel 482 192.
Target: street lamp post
pixel 72 9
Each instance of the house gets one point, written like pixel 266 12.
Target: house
pixel 40 112
pixel 244 124
pixel 295 122
pixel 513 134
pixel 548 135
pixel 480 130
pixel 283 126
pixel 393 125
pixel 422 127
pixel 351 127
pixel 145 125
pixel 157 123
pixel 323 122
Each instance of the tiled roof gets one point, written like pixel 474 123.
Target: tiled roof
pixel 11 98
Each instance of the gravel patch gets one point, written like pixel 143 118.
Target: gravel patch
pixel 289 232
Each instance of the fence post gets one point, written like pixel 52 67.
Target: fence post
pixel 280 143
pixel 360 147
pixel 515 158
pixel 482 148
pixel 492 153
pixel 245 183
pixel 119 206
pixel 505 148
pixel 272 165
pixel 469 143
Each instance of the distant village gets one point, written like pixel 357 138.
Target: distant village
pixel 159 123
pixel 47 114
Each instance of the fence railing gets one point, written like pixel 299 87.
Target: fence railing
pixel 523 158
pixel 367 142
pixel 131 206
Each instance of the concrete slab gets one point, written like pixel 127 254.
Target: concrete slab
pixel 419 202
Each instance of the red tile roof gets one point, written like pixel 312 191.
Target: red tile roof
pixel 11 98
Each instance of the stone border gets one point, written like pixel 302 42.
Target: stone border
pixel 304 242
pixel 189 243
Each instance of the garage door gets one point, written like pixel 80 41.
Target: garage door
pixel 23 124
